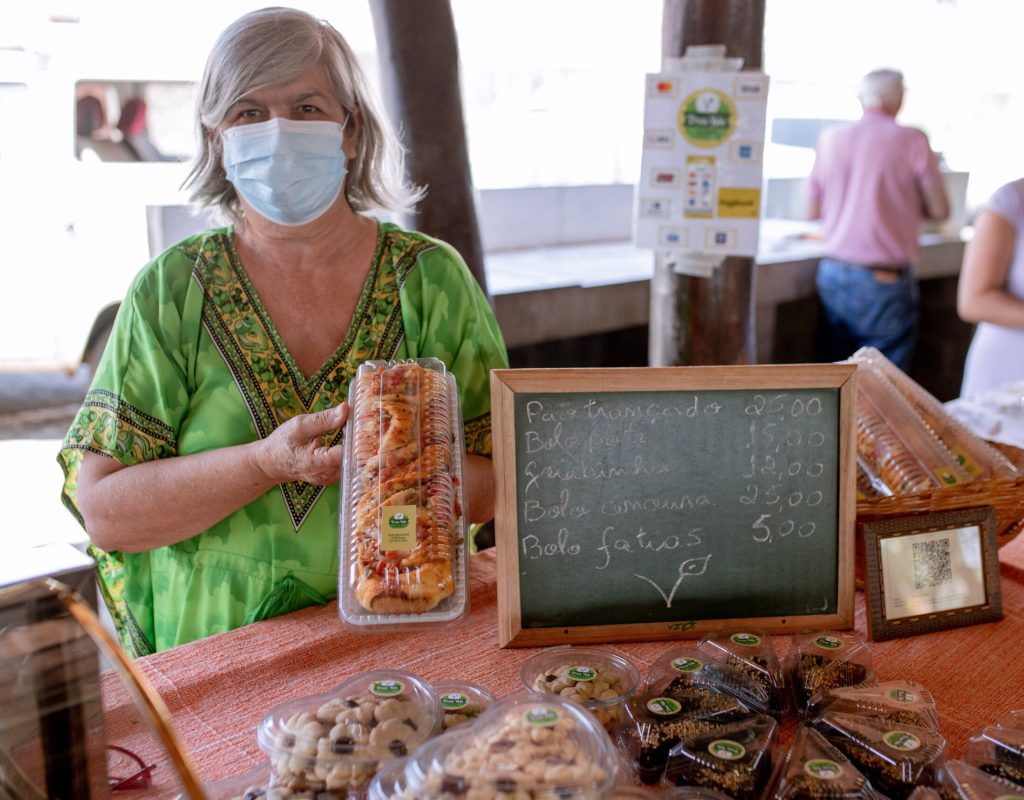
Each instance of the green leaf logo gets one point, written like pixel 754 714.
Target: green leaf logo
pixel 386 688
pixel 687 665
pixel 726 749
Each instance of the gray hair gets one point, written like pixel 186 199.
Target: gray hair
pixel 882 88
pixel 274 46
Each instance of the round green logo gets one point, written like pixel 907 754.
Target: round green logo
pixel 726 749
pixel 707 118
pixel 664 706
pixel 686 664
pixel 823 768
pixel 902 695
pixel 398 520
pixel 454 701
pixel 386 688
pixel 541 716
pixel 745 639
pixel 829 642
pixel 901 740
pixel 582 673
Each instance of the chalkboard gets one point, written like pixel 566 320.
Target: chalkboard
pixel 658 503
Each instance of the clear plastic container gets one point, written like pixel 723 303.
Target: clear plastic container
pixel 337 741
pixel 999 750
pixel 461 701
pixel 390 779
pixel 402 531
pixel 599 680
pixel 893 702
pixel 815 770
pixel 680 666
pixel 896 758
pixel 736 759
pixel 522 746
pixel 823 660
pixel 960 779
pixel 744 663
pixel 673 793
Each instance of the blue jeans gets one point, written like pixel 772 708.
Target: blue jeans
pixel 862 309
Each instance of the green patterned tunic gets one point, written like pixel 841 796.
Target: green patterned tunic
pixel 194 363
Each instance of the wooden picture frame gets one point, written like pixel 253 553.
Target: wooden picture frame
pixel 930 572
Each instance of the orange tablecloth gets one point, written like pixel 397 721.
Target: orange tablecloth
pixel 218 689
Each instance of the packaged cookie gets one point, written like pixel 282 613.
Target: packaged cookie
pixel 744 663
pixel 894 702
pixel 896 758
pixel 961 781
pixel 999 750
pixel 336 742
pixel 735 759
pixel 402 532
pixel 824 660
pixel 461 701
pixel 815 770
pixel 523 746
pixel 599 680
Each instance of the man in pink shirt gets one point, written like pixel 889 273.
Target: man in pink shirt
pixel 872 184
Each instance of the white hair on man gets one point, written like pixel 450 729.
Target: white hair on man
pixel 882 88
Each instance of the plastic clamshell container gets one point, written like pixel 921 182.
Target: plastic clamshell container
pixel 744 663
pixel 461 701
pixel 337 741
pixel 252 785
pixel 736 759
pixel 678 666
pixel 823 660
pixel 815 770
pixel 673 793
pixel 970 783
pixel 390 779
pixel 896 758
pixel 896 702
pixel 524 745
pixel 999 750
pixel 599 680
pixel 404 563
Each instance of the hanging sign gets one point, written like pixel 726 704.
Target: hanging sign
pixel 700 181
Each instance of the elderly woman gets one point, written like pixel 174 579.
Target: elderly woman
pixel 204 461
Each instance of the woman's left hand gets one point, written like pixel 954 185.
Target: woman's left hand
pixel 296 450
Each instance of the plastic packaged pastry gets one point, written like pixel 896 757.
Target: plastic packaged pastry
pixel 670 793
pixel 815 770
pixel 744 663
pixel 965 782
pixel 999 750
pixel 336 741
pixel 522 746
pixel 599 680
pixel 823 660
pixel 461 701
pixel 895 702
pixel 735 759
pixel 401 526
pixel 896 758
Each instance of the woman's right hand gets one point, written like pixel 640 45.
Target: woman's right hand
pixel 295 451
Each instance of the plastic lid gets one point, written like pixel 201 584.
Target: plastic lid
pixel 340 737
pixel 816 769
pixel 549 747
pixel 823 660
pixel 679 665
pixel 901 702
pixel 461 701
pixel 744 663
pixel 971 782
pixel 999 751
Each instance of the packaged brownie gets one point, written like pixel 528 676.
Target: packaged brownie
pixel 896 758
pixel 599 680
pixel 522 746
pixel 999 750
pixel 461 702
pixel 815 770
pixel 735 758
pixel 403 551
pixel 654 724
pixel 336 742
pixel 744 663
pixel 824 660
pixel 681 665
pixel 895 702
pixel 961 781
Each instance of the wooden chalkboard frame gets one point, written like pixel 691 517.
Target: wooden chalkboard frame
pixel 506 384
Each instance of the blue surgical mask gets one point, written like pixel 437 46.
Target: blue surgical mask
pixel 289 171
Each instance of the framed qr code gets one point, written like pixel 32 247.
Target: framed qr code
pixel 929 572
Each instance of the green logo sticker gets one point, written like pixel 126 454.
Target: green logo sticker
pixel 901 740
pixel 398 520
pixel 386 688
pixel 823 768
pixel 726 749
pixel 541 716
pixel 454 701
pixel 745 639
pixel 687 665
pixel 902 696
pixel 707 118
pixel 664 706
pixel 582 673
pixel 829 642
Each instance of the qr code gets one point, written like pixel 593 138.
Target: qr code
pixel 931 563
